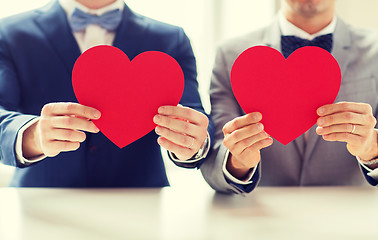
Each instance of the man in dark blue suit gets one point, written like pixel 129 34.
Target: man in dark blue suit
pixel 49 137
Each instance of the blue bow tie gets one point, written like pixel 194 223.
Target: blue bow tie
pixel 291 43
pixel 109 20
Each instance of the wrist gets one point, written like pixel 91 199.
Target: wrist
pixel 31 146
pixel 372 153
pixel 237 168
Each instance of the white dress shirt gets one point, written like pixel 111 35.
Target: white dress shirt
pixel 289 29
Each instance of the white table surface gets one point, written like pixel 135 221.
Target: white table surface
pixel 188 213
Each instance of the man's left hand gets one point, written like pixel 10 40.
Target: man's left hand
pixel 182 130
pixel 352 123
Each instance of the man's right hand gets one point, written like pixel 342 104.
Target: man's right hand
pixel 60 128
pixel 245 137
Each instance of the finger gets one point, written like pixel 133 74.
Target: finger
pixel 179 151
pixel 53 148
pixel 340 128
pixel 344 107
pixel 60 109
pixel 177 138
pixel 241 122
pixel 66 135
pixel 343 137
pixel 239 147
pixel 177 125
pixel 341 118
pixel 264 143
pixel 245 132
pixel 185 113
pixel 67 122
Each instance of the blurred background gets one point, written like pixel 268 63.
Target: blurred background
pixel 207 23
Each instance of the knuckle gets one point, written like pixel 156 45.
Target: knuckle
pixel 344 106
pixel 250 118
pixel 47 109
pixel 188 112
pixel 348 116
pixel 234 136
pixel 262 135
pixel 69 107
pixel 372 120
pixel 244 144
pixel 68 134
pixel 68 121
pixel 186 126
pixel 367 108
pixel 234 124
pixel 226 142
pixel 186 140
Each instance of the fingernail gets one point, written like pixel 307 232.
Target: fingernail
pixel 257 116
pixel 96 114
pixel 260 127
pixel 319 130
pixel 321 110
pixel 320 121
pixel 157 130
pixel 161 110
pixel 156 119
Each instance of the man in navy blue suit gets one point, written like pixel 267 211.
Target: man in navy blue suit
pixel 50 138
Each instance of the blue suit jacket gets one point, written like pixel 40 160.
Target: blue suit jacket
pixel 37 54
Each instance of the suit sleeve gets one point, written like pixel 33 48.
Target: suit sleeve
pixel 10 119
pixel 191 97
pixel 224 108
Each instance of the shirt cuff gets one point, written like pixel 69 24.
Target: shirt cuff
pixel 229 176
pixel 18 147
pixel 371 172
pixel 202 153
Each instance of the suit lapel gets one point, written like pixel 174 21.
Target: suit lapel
pixel 53 22
pixel 341 51
pixel 272 36
pixel 130 33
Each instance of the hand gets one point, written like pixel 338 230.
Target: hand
pixel 182 130
pixel 352 123
pixel 59 129
pixel 245 137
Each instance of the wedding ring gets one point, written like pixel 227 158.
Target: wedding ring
pixel 353 128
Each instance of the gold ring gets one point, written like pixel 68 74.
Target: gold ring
pixel 353 128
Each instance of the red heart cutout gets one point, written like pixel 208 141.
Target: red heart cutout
pixel 287 92
pixel 128 94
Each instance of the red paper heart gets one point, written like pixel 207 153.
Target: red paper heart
pixel 126 93
pixel 286 91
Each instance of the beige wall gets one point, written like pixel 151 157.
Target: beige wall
pixel 362 13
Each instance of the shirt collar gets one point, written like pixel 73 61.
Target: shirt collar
pixel 70 5
pixel 289 29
